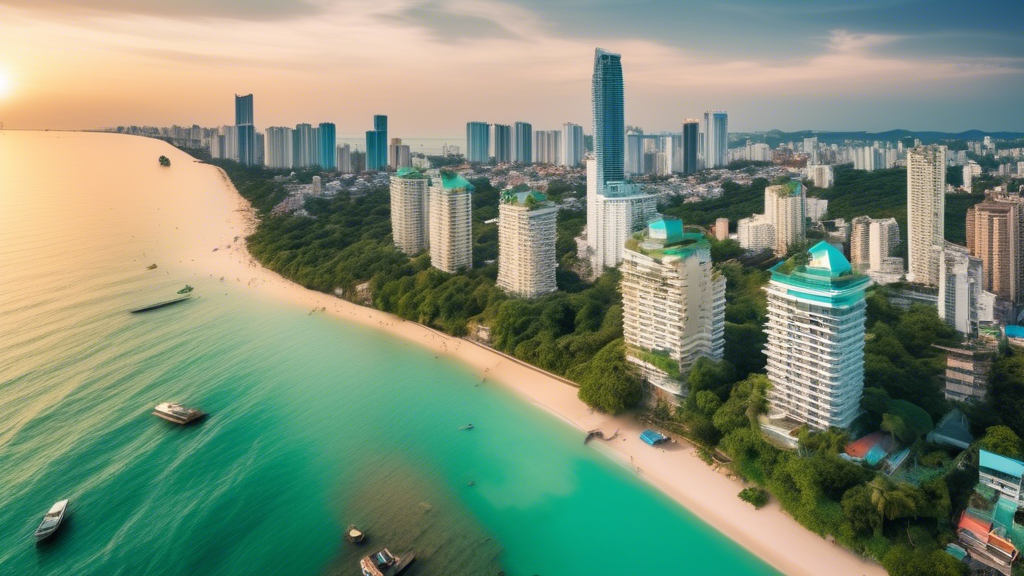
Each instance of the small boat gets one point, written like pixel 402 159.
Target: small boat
pixel 384 563
pixel 160 304
pixel 151 267
pixel 177 413
pixel 466 427
pixel 51 521
pixel 185 290
pixel 354 535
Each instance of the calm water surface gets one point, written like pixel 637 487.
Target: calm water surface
pixel 314 423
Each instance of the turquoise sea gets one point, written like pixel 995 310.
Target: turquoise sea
pixel 314 423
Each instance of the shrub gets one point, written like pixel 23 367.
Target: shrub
pixel 758 497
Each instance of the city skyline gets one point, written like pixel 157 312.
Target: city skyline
pixel 837 68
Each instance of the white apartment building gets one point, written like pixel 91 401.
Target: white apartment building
pixel 450 219
pixel 815 348
pixel 785 206
pixel 960 280
pixel 526 243
pixel 816 208
pixel 410 230
pixel 971 169
pixel 613 215
pixel 279 143
pixel 673 303
pixel 872 243
pixel 822 175
pixel 926 212
pixel 755 233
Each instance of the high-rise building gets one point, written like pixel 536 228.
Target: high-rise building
pixel 246 129
pixel 967 370
pixel 522 145
pixel 755 233
pixel 573 146
pixel 410 228
pixel 673 303
pixel 691 128
pixel 872 244
pixel 620 211
pixel 478 144
pixel 304 146
pixel 450 219
pixel 635 148
pixel 547 147
pixel 609 121
pixel 785 206
pixel 344 159
pixel 721 228
pixel 815 349
pixel 380 126
pixel 716 138
pixel 526 243
pixel 821 175
pixel 280 152
pixel 959 289
pixel 261 142
pixel 502 143
pixel 399 154
pixel 926 211
pixel 995 234
pixel 328 143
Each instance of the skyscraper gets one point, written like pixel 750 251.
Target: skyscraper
pixel 635 160
pixel 716 138
pixel 246 129
pixel 609 120
pixel 526 243
pixel 815 348
pixel 689 149
pixel 547 147
pixel 502 143
pixel 522 146
pixel 303 147
pixel 573 146
pixel 622 209
pixel 673 303
pixel 399 154
pixel 409 211
pixel 959 289
pixel 450 219
pixel 328 142
pixel 280 151
pixel 995 233
pixel 785 207
pixel 478 145
pixel 380 126
pixel 926 211
pixel 344 159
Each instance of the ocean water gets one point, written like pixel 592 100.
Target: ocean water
pixel 314 423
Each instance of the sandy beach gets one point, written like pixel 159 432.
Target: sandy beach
pixel 674 468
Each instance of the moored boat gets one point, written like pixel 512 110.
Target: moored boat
pixel 52 520
pixel 384 563
pixel 177 413
pixel 185 290
pixel 149 307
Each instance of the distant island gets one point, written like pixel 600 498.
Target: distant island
pixel 165 161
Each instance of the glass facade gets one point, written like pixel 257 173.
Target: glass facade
pixel 609 122
pixel 478 141
pixel 328 142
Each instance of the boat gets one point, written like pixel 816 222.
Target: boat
pixel 354 535
pixel 466 427
pixel 177 413
pixel 151 267
pixel 185 290
pixel 160 304
pixel 384 563
pixel 52 520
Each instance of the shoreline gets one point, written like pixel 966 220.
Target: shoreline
pixel 674 469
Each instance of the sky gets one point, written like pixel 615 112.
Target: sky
pixel 432 66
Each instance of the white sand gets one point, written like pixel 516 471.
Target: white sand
pixel 674 469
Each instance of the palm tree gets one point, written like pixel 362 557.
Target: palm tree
pixel 891 500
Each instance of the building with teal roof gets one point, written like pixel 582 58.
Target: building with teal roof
pixel 815 329
pixel 409 210
pixel 1003 474
pixel 673 304
pixel 450 221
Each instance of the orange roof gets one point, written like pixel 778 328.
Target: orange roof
pixel 1002 544
pixel 860 447
pixel 977 526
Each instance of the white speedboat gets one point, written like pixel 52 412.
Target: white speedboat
pixel 52 520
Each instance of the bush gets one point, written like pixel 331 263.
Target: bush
pixel 754 495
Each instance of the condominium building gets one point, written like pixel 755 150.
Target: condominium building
pixel 613 216
pixel 673 303
pixel 344 159
pixel 377 144
pixel 785 206
pixel 967 369
pixel 926 212
pixel 635 152
pixel 303 146
pixel 522 143
pixel 547 147
pixel 970 170
pixel 995 233
pixel 816 208
pixel 721 228
pixel 450 219
pixel 716 139
pixel 502 143
pixel 246 129
pixel 821 174
pixel 815 349
pixel 328 143
pixel 872 243
pixel 478 145
pixel 959 289
pixel 573 145
pixel 399 155
pixel 279 142
pixel 688 150
pixel 609 122
pixel 755 233
pixel 526 243
pixel 410 191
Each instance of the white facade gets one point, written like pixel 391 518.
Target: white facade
pixel 822 175
pixel 573 146
pixel 755 233
pixel 673 305
pixel 960 281
pixel 716 139
pixel 450 217
pixel 816 208
pixel 926 211
pixel 410 227
pixel 344 159
pixel 785 206
pixel 526 246
pixel 815 349
pixel 279 152
pixel 971 169
pixel 613 216
pixel 547 147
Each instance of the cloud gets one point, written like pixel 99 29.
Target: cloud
pixel 231 9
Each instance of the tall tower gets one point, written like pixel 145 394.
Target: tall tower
pixel 526 243
pixel 609 119
pixel 246 129
pixel 328 142
pixel 450 218
pixel 716 138
pixel 409 219
pixel 478 136
pixel 502 143
pixel 689 149
pixel 995 233
pixel 522 151
pixel 380 125
pixel 926 212
pixel 572 144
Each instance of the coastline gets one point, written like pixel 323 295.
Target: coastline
pixel 674 469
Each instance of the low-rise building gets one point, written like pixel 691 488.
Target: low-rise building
pixel 967 368
pixel 755 233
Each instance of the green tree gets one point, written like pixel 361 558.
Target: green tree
pixel 891 501
pixel 1002 440
pixel 607 383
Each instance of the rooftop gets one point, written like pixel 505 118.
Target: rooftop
pixel 822 268
pixel 666 237
pixel 1000 463
pixel 410 173
pixel 454 181
pixel 527 198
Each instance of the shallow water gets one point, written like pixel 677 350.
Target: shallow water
pixel 314 423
